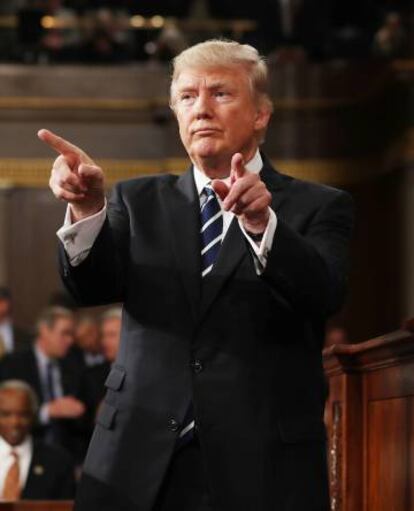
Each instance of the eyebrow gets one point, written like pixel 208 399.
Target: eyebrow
pixel 213 86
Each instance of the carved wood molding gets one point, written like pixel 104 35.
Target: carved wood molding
pixel 384 351
pixel 335 457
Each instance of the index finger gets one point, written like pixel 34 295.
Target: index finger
pixel 57 143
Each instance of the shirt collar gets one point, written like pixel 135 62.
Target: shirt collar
pixel 42 359
pixel 201 180
pixel 22 449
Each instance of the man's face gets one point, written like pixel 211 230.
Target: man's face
pixel 111 334
pixel 57 339
pixel 16 417
pixel 87 336
pixel 5 310
pixel 217 113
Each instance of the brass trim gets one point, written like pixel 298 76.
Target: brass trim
pixel 34 172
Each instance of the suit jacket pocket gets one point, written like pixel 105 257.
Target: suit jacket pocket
pixel 106 415
pixel 115 378
pixel 301 429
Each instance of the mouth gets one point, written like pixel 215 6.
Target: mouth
pixel 205 131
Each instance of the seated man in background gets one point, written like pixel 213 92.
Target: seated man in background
pixel 87 347
pixel 12 338
pixel 55 378
pixel 96 376
pixel 29 469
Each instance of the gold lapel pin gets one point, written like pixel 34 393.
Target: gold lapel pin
pixel 38 470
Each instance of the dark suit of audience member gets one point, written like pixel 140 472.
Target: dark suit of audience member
pixel 51 474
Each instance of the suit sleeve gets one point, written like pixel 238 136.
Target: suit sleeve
pixel 100 278
pixel 310 269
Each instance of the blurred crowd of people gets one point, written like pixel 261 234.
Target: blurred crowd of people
pixel 51 385
pixel 109 31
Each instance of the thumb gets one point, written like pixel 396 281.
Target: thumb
pixel 220 188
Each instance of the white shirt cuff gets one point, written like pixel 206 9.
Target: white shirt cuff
pixel 261 249
pixel 79 237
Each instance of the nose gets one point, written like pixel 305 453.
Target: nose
pixel 202 106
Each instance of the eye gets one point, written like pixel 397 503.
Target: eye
pixel 186 98
pixel 222 95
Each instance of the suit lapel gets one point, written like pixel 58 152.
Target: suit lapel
pixel 182 212
pixel 34 486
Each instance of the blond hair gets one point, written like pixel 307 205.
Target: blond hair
pixel 226 53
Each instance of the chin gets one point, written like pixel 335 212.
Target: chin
pixel 205 149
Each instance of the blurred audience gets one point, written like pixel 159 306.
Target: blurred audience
pixel 111 333
pixel 390 40
pixel 29 468
pixel 102 31
pixel 95 376
pixel 12 338
pixel 88 347
pixel 56 379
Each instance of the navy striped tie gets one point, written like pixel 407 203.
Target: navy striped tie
pixel 211 230
pixel 211 234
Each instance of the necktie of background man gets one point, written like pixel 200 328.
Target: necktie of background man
pixel 11 489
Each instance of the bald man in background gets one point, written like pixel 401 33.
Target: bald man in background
pixel 29 469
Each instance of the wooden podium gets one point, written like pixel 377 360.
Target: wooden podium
pixel 37 505
pixel 370 419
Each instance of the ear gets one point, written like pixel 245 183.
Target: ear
pixel 262 117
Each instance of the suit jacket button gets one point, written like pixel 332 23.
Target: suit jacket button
pixel 173 424
pixel 197 366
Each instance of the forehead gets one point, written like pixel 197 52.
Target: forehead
pixel 13 398
pixel 63 322
pixel 195 77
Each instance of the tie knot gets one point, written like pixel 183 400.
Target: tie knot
pixel 14 454
pixel 208 190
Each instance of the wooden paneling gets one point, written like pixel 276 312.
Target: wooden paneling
pixel 387 444
pixel 37 506
pixel 370 419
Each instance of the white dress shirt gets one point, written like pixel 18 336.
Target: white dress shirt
pixel 42 362
pixel 6 333
pixel 78 238
pixel 24 452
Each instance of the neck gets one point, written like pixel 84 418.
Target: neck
pixel 219 167
pixel 41 347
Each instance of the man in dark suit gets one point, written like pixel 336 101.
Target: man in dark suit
pixel 29 469
pixel 227 274
pixel 56 379
pixel 94 388
pixel 12 338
